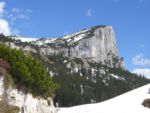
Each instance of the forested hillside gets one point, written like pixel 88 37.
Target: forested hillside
pixel 80 85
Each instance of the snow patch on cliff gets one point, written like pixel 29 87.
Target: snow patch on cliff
pixel 25 39
pixel 130 102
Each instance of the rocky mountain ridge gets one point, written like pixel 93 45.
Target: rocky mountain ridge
pixel 97 44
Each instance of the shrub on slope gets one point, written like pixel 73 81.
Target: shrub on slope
pixel 28 72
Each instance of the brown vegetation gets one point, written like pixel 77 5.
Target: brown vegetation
pixel 6 108
pixel 146 103
pixel 4 64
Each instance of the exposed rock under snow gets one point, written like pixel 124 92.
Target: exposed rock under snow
pixel 26 102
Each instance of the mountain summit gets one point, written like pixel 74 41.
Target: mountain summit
pixel 97 44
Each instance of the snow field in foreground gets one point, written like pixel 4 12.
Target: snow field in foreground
pixel 130 102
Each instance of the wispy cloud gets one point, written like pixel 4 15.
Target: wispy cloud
pixel 4 24
pixel 141 60
pixel 145 72
pixel 4 27
pixel 8 18
pixel 15 10
pixel 22 16
pixel 2 5
pixel 28 10
pixel 89 12
pixel 17 13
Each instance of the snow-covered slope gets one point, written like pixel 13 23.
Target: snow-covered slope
pixel 72 38
pixel 25 39
pixel 127 103
pixel 68 39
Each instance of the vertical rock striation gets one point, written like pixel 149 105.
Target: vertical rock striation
pixel 97 44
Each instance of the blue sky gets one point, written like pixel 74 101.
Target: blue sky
pixel 54 18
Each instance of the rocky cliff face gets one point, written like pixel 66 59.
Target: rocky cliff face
pixel 97 44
